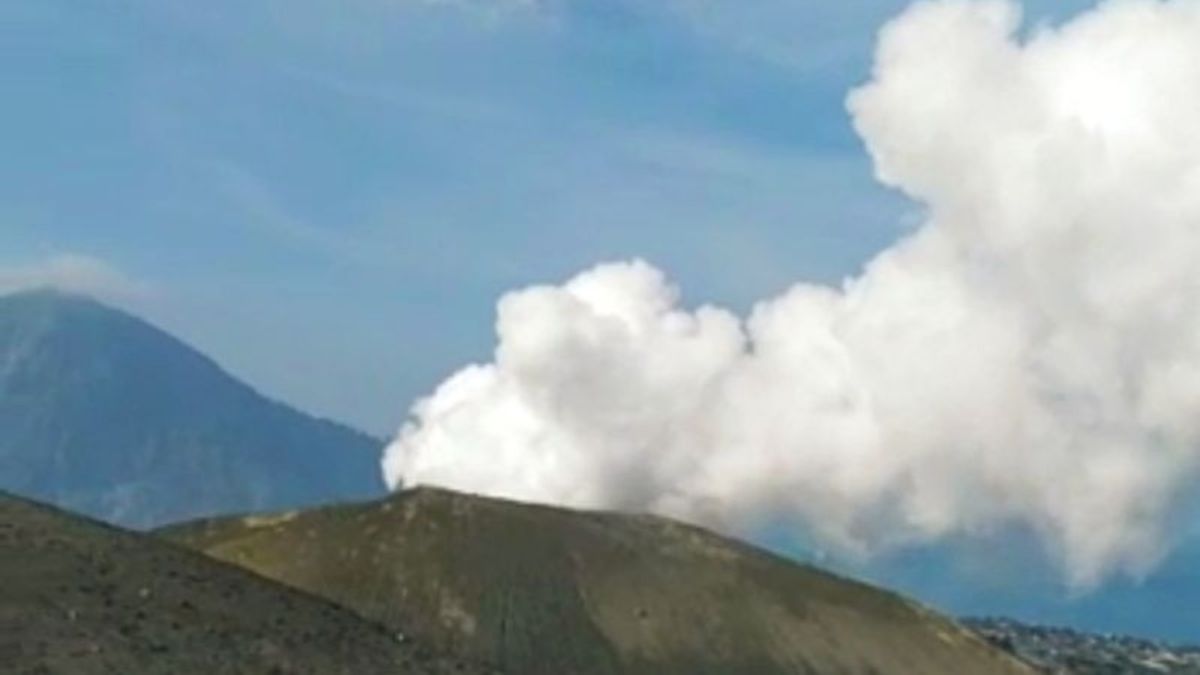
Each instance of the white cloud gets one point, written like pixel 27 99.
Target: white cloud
pixel 73 273
pixel 1029 356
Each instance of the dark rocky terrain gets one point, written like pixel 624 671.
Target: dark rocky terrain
pixel 82 598
pixel 535 590
pixel 1068 652
pixel 103 414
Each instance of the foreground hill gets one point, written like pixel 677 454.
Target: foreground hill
pixel 104 414
pixel 82 598
pixel 535 589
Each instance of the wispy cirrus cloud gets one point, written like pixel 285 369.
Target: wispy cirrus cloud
pixel 814 36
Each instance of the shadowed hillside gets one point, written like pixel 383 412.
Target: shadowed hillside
pixel 103 414
pixel 82 598
pixel 543 590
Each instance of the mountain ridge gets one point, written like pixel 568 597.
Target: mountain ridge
pixel 103 413
pixel 540 589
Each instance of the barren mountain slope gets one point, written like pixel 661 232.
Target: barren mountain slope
pixel 534 589
pixel 81 598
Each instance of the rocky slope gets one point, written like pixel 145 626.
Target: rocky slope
pixel 103 414
pixel 1068 652
pixel 82 598
pixel 533 590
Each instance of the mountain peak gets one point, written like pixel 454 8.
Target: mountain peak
pixel 51 298
pixel 47 292
pixel 104 413
pixel 537 589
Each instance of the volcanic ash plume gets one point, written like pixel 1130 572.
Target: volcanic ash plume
pixel 1029 357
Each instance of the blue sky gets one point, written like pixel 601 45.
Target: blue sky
pixel 328 197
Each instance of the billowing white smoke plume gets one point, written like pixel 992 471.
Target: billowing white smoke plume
pixel 1029 357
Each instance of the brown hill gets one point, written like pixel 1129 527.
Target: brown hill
pixel 81 598
pixel 534 590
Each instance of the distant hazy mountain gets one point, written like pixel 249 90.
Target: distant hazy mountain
pixel 104 414
pixel 546 591
pixel 81 598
